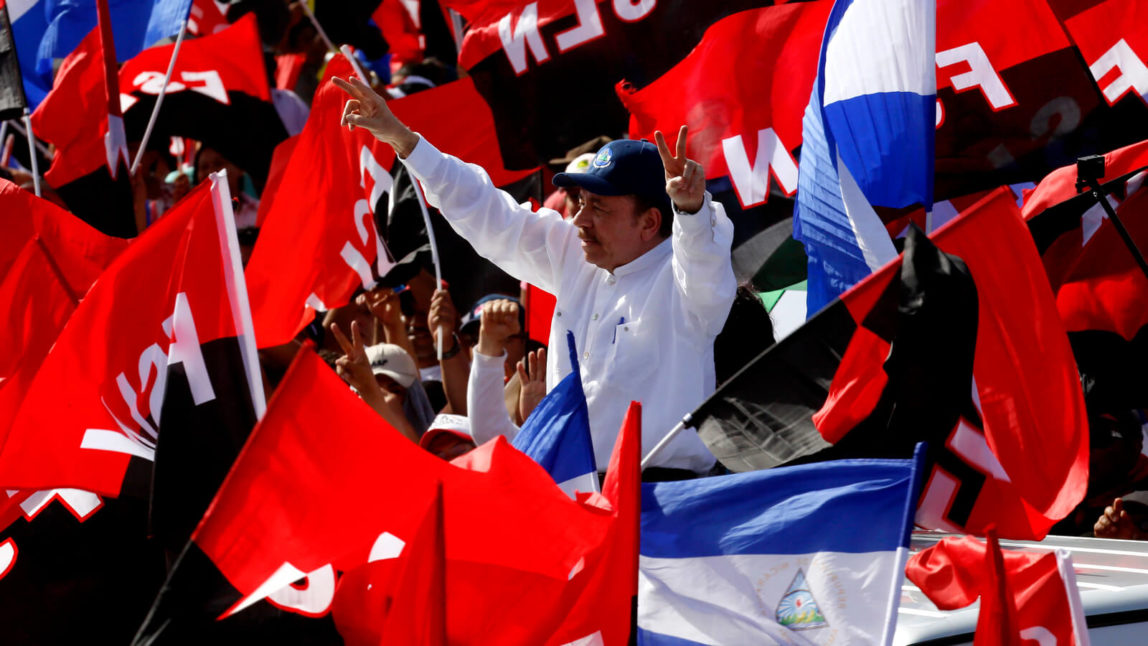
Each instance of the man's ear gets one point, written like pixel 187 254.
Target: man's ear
pixel 649 223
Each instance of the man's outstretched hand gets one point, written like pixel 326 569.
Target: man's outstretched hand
pixel 367 110
pixel 685 180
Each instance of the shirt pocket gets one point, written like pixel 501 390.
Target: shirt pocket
pixel 635 354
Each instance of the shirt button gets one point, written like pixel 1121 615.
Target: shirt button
pixel 595 316
pixel 585 355
pixel 611 280
pixel 626 328
pixel 558 313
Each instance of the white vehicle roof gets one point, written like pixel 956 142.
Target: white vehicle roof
pixel 1112 577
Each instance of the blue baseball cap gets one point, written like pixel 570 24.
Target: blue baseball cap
pixel 623 167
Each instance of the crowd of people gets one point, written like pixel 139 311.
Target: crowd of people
pixel 633 247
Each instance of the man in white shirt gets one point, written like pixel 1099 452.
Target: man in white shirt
pixel 642 274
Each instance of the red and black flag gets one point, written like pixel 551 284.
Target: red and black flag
pixel 959 345
pixel 155 314
pixel 342 192
pixel 1014 100
pixel 93 408
pixel 12 100
pixel 48 260
pixel 327 471
pixel 1112 36
pixel 548 68
pixel 82 118
pixel 219 94
pixel 1101 292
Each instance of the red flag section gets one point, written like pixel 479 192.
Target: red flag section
pixel 747 84
pixel 94 403
pixel 603 606
pixel 41 286
pixel 418 614
pixel 311 471
pixel 1023 596
pixel 319 242
pixel 1097 282
pixel 76 115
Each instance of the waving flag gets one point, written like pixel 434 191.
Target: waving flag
pixel 756 546
pixel 1099 287
pixel 557 433
pixel 219 95
pixel 83 119
pixel 1024 595
pixel 867 138
pixel 101 387
pixel 935 348
pixel 48 30
pixel 311 471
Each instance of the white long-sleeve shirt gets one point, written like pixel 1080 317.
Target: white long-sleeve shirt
pixel 644 332
pixel 485 403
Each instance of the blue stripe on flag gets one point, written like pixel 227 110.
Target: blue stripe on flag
pixel 871 113
pixel 892 170
pixel 557 433
pixel 848 506
pixel 647 638
pixel 52 29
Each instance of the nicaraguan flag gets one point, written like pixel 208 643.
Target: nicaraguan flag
pixel 47 30
pixel 810 554
pixel 557 433
pixel 867 138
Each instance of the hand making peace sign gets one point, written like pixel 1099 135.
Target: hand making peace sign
pixel 366 109
pixel 685 179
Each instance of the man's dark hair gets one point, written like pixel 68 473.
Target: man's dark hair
pixel 642 202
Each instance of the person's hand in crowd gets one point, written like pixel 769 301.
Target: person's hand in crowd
pixel 499 322
pixel 685 178
pixel 353 366
pixel 1116 523
pixel 355 369
pixel 383 302
pixel 367 110
pixel 442 319
pixel 532 375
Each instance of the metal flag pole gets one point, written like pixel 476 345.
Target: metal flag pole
pixel 32 151
pixel 159 99
pixel 433 249
pixel 1089 170
pixel 665 441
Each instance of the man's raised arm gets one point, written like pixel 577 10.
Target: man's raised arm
pixel 702 238
pixel 529 246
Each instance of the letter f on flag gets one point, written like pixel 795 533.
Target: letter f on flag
pixel 867 138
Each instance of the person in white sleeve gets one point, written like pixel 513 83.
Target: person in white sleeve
pixel 642 273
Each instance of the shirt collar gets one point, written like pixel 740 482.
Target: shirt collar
pixel 651 258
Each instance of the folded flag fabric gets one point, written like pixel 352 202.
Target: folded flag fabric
pixel 557 433
pixel 811 554
pixel 1024 595
pixel 867 138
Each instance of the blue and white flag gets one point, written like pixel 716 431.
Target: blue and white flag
pixel 867 138
pixel 810 554
pixel 557 433
pixel 48 30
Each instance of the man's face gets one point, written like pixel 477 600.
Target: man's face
pixel 609 229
